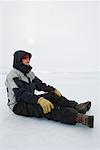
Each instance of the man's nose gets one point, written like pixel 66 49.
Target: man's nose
pixel 28 60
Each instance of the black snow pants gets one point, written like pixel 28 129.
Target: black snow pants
pixel 64 109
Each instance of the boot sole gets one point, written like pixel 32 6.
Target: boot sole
pixel 86 108
pixel 91 121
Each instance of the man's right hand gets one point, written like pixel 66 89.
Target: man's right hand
pixel 46 105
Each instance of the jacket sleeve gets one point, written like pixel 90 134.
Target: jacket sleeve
pixel 40 86
pixel 23 95
pixel 20 93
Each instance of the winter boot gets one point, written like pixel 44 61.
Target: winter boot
pixel 83 107
pixel 85 120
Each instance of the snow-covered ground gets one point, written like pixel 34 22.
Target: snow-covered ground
pixel 17 132
pixel 61 35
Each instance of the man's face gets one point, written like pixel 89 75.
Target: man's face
pixel 26 61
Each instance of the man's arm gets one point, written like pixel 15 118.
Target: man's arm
pixel 22 94
pixel 40 86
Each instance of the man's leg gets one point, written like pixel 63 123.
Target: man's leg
pixel 62 114
pixel 59 101
pixel 65 115
pixel 70 116
pixel 64 102
pixel 81 108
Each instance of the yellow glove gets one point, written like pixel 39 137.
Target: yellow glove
pixel 57 93
pixel 45 104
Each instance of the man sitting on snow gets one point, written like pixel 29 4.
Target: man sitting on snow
pixel 21 84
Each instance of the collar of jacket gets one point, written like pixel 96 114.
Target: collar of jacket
pixel 23 68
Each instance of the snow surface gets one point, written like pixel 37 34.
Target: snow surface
pixel 64 36
pixel 17 132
